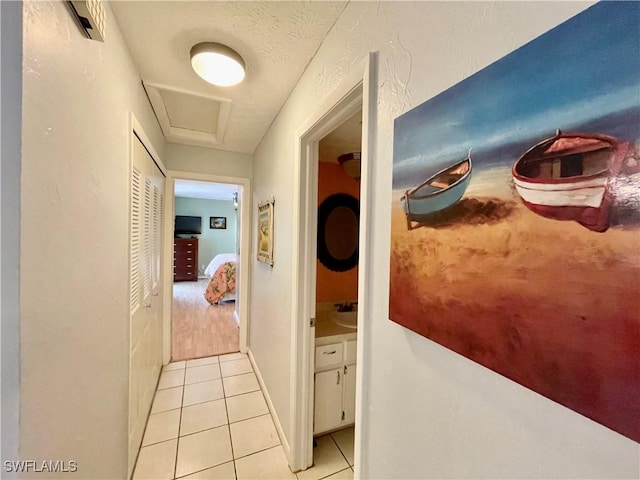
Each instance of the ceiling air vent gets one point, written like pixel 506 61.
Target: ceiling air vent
pixel 91 17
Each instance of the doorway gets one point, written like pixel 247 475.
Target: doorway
pixel 356 93
pixel 336 291
pixel 198 321
pixel 205 316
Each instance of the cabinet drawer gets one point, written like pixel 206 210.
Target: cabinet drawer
pixel 328 356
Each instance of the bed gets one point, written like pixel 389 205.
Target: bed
pixel 222 282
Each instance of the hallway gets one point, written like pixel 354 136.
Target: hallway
pixel 209 420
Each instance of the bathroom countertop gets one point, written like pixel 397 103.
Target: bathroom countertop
pixel 330 332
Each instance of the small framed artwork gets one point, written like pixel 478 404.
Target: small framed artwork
pixel 218 223
pixel 265 231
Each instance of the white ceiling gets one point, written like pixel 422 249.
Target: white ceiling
pixel 208 190
pixel 276 39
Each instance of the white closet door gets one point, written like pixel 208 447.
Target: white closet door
pixel 147 203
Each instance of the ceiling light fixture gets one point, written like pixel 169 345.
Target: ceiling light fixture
pixel 350 163
pixel 217 64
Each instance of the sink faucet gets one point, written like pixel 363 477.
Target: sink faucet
pixel 346 306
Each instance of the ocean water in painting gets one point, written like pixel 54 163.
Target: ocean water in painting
pixel 575 77
pixel 547 303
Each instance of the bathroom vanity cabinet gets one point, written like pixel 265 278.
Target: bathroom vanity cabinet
pixel 335 385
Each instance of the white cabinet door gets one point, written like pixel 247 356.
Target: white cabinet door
pixel 349 395
pixel 350 352
pixel 328 400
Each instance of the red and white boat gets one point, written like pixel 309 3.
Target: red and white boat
pixel 568 176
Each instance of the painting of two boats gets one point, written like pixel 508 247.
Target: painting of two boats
pixel 516 216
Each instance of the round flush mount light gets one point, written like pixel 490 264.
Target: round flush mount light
pixel 217 64
pixel 350 163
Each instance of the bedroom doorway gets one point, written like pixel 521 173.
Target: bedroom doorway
pixel 206 259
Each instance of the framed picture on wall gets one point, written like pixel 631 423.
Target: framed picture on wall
pixel 265 231
pixel 218 223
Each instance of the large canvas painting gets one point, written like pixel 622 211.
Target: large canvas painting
pixel 516 216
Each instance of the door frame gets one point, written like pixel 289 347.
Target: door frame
pixel 245 250
pixel 357 91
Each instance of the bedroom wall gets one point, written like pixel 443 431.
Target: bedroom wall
pixel 425 411
pixel 212 241
pixel 77 99
pixel 186 158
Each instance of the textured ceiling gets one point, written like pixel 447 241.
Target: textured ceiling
pixel 276 39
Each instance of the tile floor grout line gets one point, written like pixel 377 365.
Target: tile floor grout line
pixel 163 411
pixel 159 442
pixel 243 393
pixel 203 430
pixel 202 365
pixel 339 471
pixel 205 364
pixel 260 451
pixel 251 418
pixel 175 463
pixel 205 401
pixel 218 355
pixel 340 449
pixel 203 381
pixel 236 374
pixel 226 408
pixel 203 470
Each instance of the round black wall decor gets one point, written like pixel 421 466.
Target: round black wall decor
pixel 338 232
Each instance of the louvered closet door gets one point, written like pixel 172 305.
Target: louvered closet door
pixel 147 204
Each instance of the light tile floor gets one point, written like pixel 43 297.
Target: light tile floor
pixel 209 420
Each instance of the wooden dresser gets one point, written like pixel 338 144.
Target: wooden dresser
pixel 185 259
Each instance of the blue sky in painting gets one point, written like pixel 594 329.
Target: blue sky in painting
pixel 583 74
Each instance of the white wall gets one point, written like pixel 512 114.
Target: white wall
pixel 186 158
pixel 78 95
pixel 427 412
pixel 10 142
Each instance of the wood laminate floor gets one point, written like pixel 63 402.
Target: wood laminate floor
pixel 199 329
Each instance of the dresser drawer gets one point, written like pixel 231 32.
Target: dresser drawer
pixel 178 252
pixel 186 257
pixel 185 244
pixel 328 356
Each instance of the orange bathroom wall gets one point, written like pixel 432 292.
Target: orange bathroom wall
pixel 335 286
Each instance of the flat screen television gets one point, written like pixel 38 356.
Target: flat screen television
pixel 186 225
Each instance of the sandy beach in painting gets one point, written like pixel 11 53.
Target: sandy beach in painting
pixel 546 303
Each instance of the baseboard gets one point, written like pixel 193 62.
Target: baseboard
pixel 274 415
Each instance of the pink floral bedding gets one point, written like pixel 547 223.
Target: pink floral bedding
pixel 222 283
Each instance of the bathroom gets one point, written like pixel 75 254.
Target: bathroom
pixel 337 285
